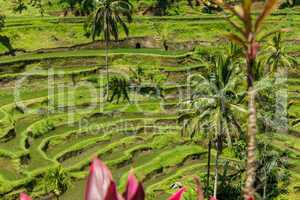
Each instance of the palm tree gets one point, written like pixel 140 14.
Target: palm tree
pixel 56 180
pixel 277 55
pixel 106 20
pixel 248 34
pixel 213 106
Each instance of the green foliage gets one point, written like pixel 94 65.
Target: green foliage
pixel 272 177
pixel 214 101
pixel 2 21
pixel 107 19
pixel 42 128
pixel 78 7
pixel 56 180
pixel 158 7
pixel 119 87
pixel 278 57
pixel 4 40
pixel 19 6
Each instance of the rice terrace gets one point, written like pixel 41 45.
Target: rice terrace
pixel 192 99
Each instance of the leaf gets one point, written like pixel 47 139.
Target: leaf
pixel 99 181
pixel 247 7
pixel 268 8
pixel 177 195
pixel 24 196
pixel 236 39
pixel 134 189
pixel 236 26
pixel 272 33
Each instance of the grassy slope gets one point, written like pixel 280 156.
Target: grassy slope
pixel 33 33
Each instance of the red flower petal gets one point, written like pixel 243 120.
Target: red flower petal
pixel 98 182
pixel 112 193
pixel 24 196
pixel 213 198
pixel 134 189
pixel 177 195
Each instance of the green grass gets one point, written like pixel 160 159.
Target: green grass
pixel 89 53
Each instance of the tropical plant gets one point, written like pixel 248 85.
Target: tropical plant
pixel 248 35
pixel 119 87
pixel 272 175
pixel 163 34
pixel 101 186
pixel 137 75
pixel 106 20
pixel 4 40
pixel 277 55
pixel 19 6
pixel 148 82
pixel 230 181
pixel 212 107
pixel 57 181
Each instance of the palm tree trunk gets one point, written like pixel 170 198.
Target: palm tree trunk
pixel 208 166
pixel 216 170
pixel 252 130
pixel 251 159
pixel 106 65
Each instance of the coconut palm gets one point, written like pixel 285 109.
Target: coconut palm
pixel 106 20
pixel 212 108
pixel 277 55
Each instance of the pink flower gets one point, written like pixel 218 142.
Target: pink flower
pixel 100 185
pixel 213 198
pixel 178 195
pixel 134 189
pixel 24 196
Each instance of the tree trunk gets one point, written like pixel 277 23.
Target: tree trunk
pixel 106 65
pixel 216 170
pixel 249 190
pixel 251 159
pixel 208 166
pixel 265 185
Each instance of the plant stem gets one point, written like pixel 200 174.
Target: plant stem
pixel 216 170
pixel 208 166
pixel 106 65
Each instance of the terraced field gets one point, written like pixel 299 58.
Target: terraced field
pixel 53 110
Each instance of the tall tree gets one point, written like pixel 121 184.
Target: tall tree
pixel 277 56
pixel 106 20
pixel 213 107
pixel 248 35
